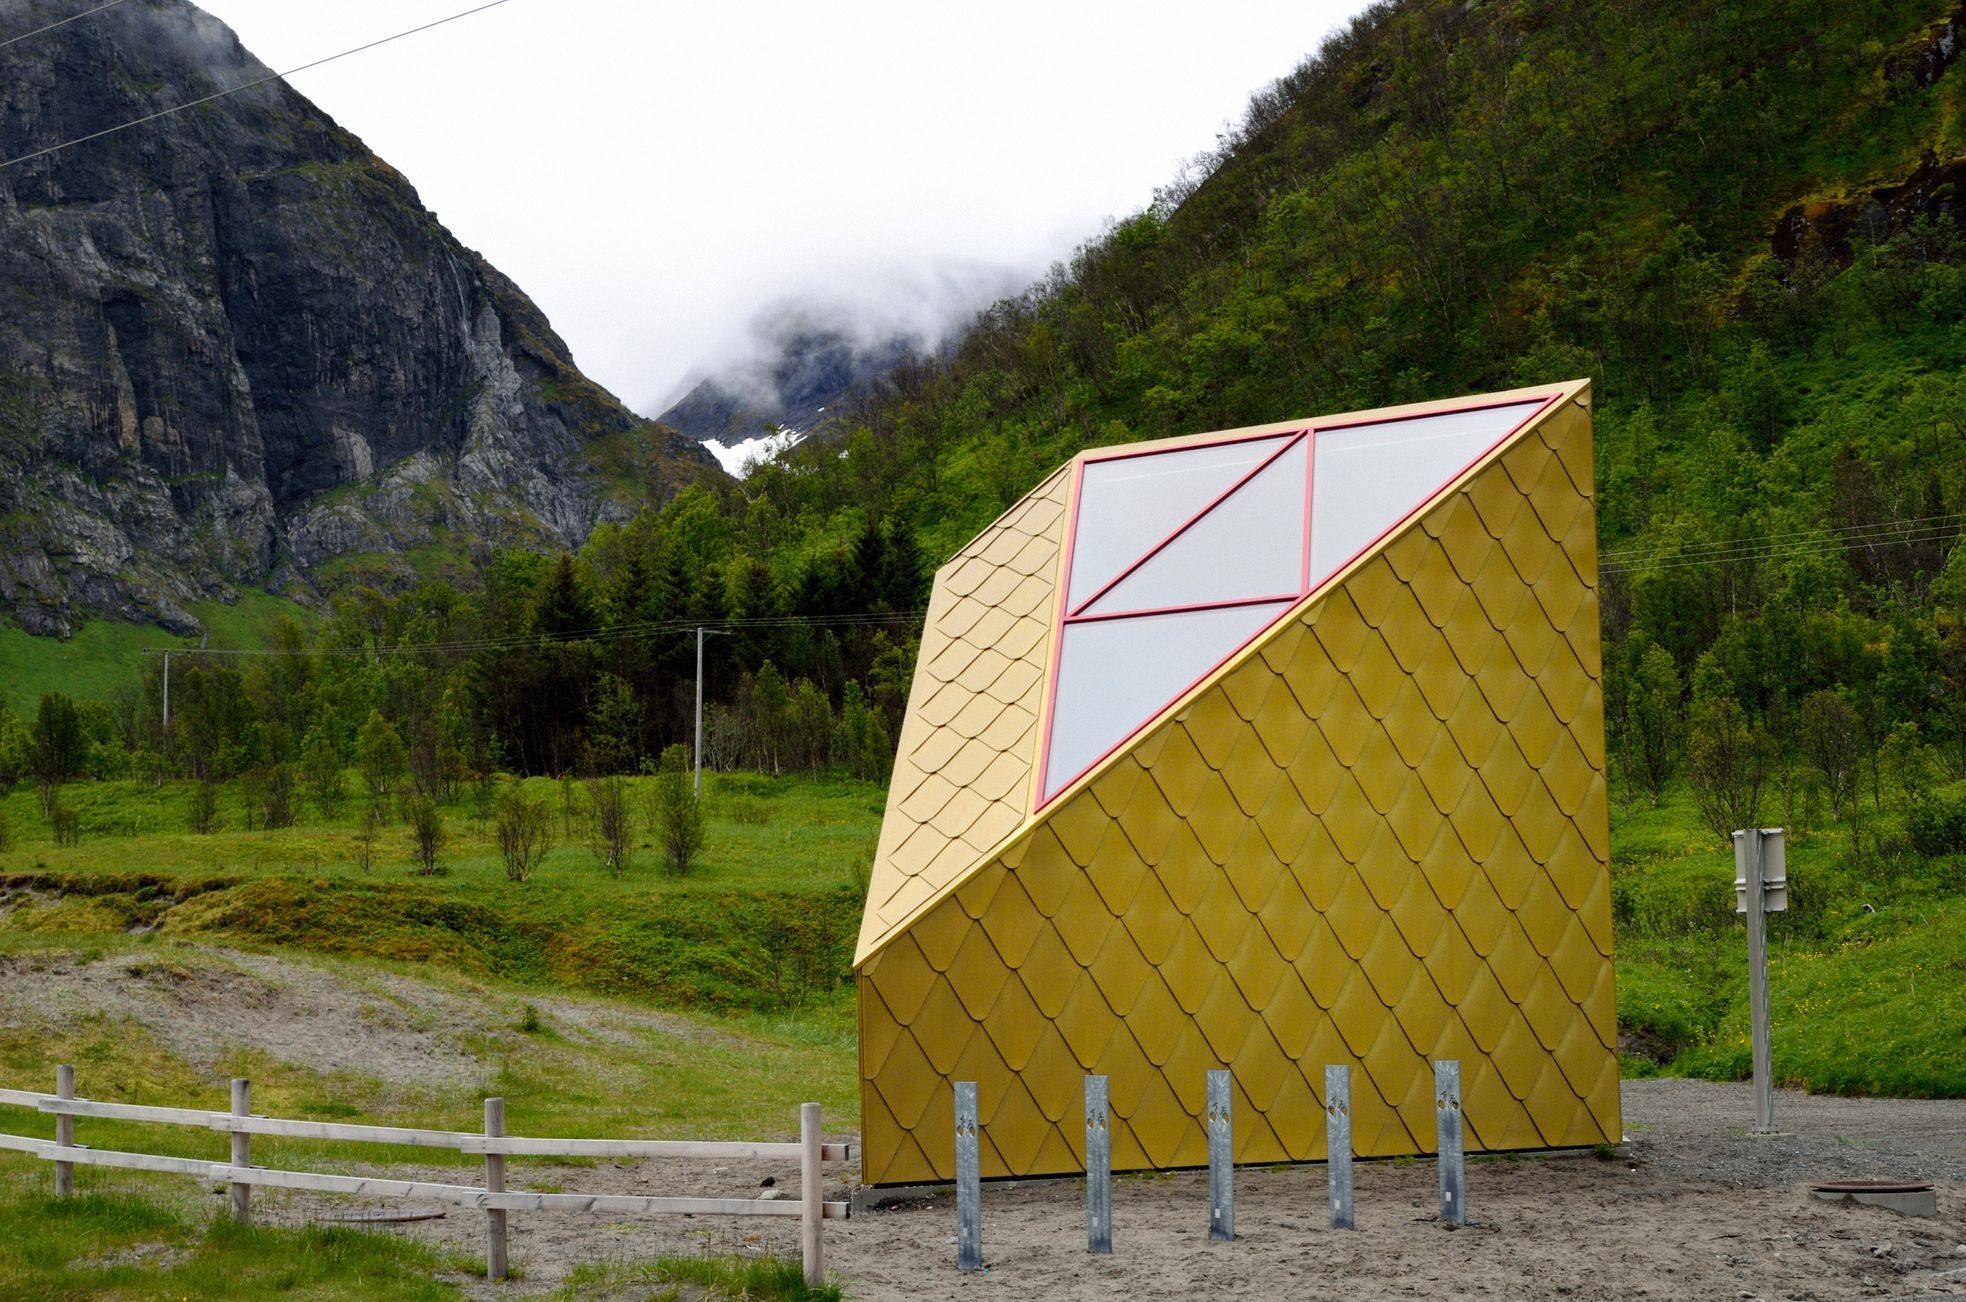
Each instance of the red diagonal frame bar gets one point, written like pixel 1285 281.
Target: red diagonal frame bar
pixel 1289 441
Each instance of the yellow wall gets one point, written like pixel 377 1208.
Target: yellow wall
pixel 1379 840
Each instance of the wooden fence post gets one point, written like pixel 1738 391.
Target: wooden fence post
pixel 64 1130
pixel 494 1183
pixel 812 1207
pixel 242 1150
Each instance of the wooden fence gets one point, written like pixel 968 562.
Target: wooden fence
pixel 493 1143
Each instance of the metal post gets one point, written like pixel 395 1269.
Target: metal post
pixel 242 1151
pixel 495 1266
pixel 1221 1161
pixel 812 1206
pixel 969 1181
pixel 1751 869
pixel 64 1130
pixel 1447 1127
pixel 698 714
pixel 1098 1167
pixel 1338 1145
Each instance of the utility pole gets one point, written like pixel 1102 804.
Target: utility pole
pixel 701 633
pixel 1761 887
pixel 167 691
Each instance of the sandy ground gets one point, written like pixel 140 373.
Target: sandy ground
pixel 1697 1211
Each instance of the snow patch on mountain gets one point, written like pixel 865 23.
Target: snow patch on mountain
pixel 739 458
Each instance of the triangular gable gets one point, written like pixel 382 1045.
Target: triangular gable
pixel 968 778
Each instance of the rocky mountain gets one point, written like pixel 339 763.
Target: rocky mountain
pixel 797 380
pixel 236 349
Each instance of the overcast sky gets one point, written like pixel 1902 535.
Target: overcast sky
pixel 657 174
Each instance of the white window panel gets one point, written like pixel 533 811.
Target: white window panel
pixel 1128 504
pixel 1116 674
pixel 1370 477
pixel 1250 545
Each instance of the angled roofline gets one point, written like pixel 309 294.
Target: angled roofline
pixel 1556 397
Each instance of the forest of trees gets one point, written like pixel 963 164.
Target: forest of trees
pixel 1742 226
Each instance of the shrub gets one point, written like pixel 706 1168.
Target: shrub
pixel 676 812
pixel 426 823
pixel 201 811
pixel 1935 825
pixel 327 781
pixel 66 823
pixel 525 832
pixel 610 831
pixel 277 795
pixel 6 833
pixel 382 756
pixel 365 837
pixel 750 813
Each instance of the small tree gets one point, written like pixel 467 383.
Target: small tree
pixel 610 831
pixel 382 756
pixel 676 812
pixel 1652 721
pixel 67 824
pixel 1726 762
pixel 1828 728
pixel 59 746
pixel 201 811
pixel 365 837
pixel 525 832
pixel 321 768
pixel 277 795
pixel 426 822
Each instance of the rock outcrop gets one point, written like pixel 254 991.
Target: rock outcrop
pixel 234 346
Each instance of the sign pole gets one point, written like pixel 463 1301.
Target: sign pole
pixel 1761 887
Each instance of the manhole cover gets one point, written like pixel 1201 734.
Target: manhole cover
pixel 1871 1186
pixel 385 1216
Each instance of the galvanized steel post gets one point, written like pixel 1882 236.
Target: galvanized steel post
pixel 1447 1126
pixel 1221 1161
pixel 969 1181
pixel 1338 1144
pixel 1760 887
pixel 1098 1167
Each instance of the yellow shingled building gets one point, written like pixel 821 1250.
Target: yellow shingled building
pixel 1262 750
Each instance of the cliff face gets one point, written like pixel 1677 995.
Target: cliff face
pixel 234 346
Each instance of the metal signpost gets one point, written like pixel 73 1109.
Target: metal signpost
pixel 1338 1145
pixel 1098 1167
pixel 1760 888
pixel 1447 1128
pixel 969 1181
pixel 1221 1161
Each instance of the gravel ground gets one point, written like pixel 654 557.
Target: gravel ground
pixel 1698 1210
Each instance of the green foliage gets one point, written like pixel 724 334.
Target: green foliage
pixel 426 823
pixel 382 757
pixel 676 813
pixel 610 824
pixel 201 807
pixel 1653 722
pixel 59 746
pixel 1935 824
pixel 525 832
pixel 715 1279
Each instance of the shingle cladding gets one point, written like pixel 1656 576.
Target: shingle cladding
pixel 1379 837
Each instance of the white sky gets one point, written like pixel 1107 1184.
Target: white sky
pixel 655 174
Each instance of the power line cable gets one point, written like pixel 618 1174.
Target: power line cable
pixel 1938 532
pixel 260 81
pixel 607 633
pixel 62 23
pixel 1857 532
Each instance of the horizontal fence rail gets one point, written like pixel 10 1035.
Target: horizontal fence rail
pixel 810 1209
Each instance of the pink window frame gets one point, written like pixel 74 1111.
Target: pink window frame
pixel 1068 615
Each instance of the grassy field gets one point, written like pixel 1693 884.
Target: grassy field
pixel 731 986
pixel 104 655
